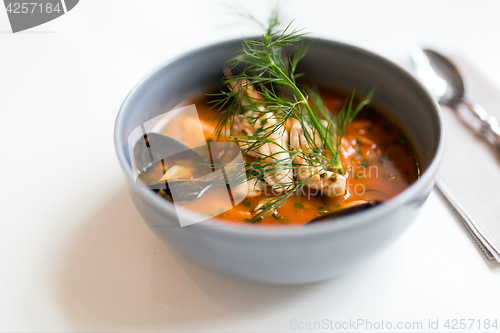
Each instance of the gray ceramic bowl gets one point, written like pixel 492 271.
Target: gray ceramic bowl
pixel 289 254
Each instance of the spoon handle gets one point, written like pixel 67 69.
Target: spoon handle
pixel 490 127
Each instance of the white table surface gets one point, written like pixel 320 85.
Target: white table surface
pixel 76 256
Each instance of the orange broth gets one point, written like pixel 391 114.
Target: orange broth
pixel 377 157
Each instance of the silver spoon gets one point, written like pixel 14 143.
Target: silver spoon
pixel 445 81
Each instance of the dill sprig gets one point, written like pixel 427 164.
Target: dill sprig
pixel 348 112
pixel 264 68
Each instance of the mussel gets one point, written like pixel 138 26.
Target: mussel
pixel 182 190
pixel 353 207
pixel 152 148
pixel 154 153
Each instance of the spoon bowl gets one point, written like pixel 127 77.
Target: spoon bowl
pixel 446 83
pixel 440 75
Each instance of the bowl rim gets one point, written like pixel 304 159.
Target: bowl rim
pixel 348 222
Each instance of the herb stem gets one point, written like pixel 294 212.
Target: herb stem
pixel 303 100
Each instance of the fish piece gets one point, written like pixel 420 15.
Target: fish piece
pixel 250 189
pixel 314 174
pixel 262 203
pixel 243 86
pixel 279 177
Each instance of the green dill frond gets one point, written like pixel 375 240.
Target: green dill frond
pixel 261 79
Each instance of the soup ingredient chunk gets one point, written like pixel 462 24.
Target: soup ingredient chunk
pixel 312 172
